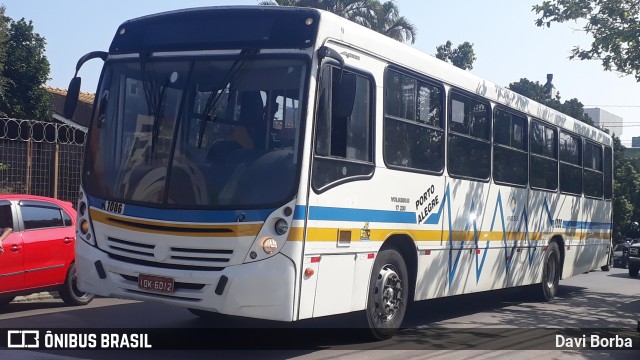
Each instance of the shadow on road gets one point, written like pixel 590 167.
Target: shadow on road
pixel 498 320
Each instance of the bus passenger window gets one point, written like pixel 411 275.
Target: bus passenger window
pixel 570 164
pixel 510 157
pixel 608 172
pixel 413 133
pixel 469 154
pixel 593 175
pixel 543 157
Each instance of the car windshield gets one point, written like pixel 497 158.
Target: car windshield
pixel 213 133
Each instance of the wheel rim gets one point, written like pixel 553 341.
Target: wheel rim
pixel 551 271
pixel 388 293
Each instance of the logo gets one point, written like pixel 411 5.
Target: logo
pixel 22 339
pixel 365 232
pixel 513 204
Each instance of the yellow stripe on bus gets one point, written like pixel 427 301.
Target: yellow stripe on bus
pixel 177 229
pixel 331 234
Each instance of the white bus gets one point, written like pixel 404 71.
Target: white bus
pixel 286 163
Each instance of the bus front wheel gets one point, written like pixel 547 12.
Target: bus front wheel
pixel 388 294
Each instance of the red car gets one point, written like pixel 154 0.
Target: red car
pixel 39 253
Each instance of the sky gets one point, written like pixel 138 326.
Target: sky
pixel 507 43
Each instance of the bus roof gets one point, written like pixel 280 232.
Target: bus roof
pixel 292 27
pixel 261 27
pixel 334 28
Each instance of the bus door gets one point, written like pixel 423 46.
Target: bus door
pixel 342 168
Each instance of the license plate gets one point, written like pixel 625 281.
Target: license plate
pixel 156 283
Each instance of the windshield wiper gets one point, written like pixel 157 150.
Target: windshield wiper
pixel 154 105
pixel 214 96
pixel 155 129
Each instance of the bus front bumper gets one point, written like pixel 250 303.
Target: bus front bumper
pixel 262 289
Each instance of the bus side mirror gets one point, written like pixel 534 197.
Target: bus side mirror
pixel 327 52
pixel 71 101
pixel 73 92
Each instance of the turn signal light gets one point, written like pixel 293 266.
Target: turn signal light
pixel 84 227
pixel 308 272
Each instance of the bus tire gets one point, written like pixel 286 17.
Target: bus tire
pixel 609 264
pixel 69 292
pixel 550 273
pixel 388 294
pixel 207 315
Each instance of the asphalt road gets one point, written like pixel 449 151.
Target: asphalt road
pixel 492 325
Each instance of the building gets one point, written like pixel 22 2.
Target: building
pixel 606 120
pixel 634 150
pixel 83 111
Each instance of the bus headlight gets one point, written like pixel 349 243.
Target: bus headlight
pixel 269 245
pixel 281 227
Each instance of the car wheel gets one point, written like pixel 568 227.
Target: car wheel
pixel 550 273
pixel 5 299
pixel 388 294
pixel 633 270
pixel 69 292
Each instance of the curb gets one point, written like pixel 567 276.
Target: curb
pixel 37 296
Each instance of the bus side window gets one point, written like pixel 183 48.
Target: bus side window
pixel 344 126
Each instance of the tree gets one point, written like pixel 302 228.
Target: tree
pixel 381 17
pixel 626 190
pixel 353 10
pixel 26 70
pixel 613 24
pixel 536 91
pixel 4 31
pixel 462 56
pixel 385 19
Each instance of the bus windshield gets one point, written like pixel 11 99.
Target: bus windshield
pixel 215 132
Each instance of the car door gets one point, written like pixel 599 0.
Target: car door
pixel 47 243
pixel 12 259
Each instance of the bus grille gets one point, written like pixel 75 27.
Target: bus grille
pixel 172 255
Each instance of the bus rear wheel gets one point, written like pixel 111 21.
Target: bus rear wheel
pixel 388 294
pixel 551 268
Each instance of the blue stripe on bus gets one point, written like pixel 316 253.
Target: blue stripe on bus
pixel 401 217
pixel 352 214
pixel 188 216
pixel 586 225
pixel 315 213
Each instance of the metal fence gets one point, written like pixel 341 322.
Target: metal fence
pixel 41 158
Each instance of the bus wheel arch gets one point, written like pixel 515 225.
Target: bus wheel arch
pixel 391 286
